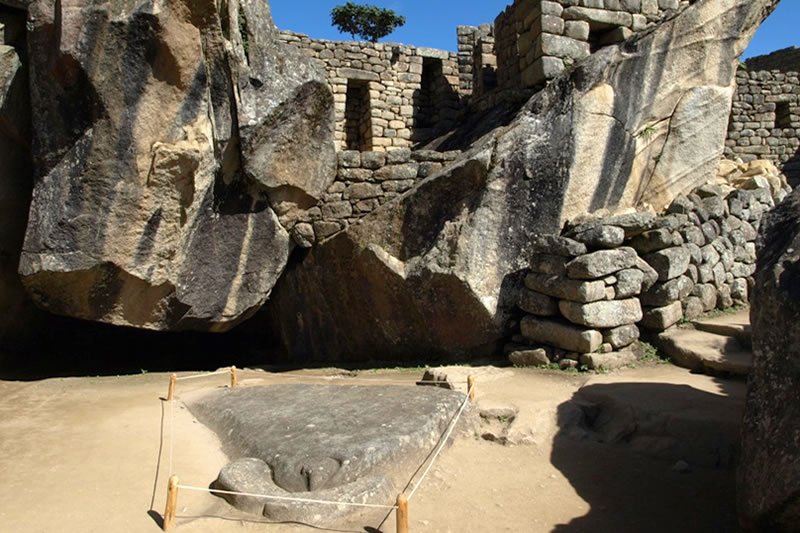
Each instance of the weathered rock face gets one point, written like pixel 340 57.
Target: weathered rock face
pixel 432 272
pixel 166 189
pixel 769 473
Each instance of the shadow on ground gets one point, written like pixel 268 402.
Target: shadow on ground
pixel 654 457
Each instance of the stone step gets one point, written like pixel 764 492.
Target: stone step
pixel 703 351
pixel 736 325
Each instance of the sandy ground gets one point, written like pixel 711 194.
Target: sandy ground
pixel 92 454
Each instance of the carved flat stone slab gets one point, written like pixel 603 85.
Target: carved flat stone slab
pixel 356 444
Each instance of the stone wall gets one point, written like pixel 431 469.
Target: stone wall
pixel 537 39
pixel 387 95
pixel 787 59
pixel 470 41
pixel 364 182
pixel 590 291
pixel 765 119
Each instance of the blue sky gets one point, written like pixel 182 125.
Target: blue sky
pixel 433 22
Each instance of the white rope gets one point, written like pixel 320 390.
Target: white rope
pixel 442 443
pixel 204 375
pixel 286 498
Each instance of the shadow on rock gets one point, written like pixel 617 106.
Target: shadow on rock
pixel 651 456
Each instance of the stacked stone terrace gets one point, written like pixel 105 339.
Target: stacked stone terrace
pixel 765 119
pixel 387 95
pixel 591 292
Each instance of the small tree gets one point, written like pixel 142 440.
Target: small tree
pixel 369 22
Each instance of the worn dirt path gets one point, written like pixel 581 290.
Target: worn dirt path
pixel 87 455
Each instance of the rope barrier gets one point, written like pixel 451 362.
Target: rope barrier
pixel 204 375
pixel 442 442
pixel 286 498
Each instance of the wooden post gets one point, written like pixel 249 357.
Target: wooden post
pixel 471 388
pixel 172 379
pixel 233 377
pixel 402 514
pixel 172 504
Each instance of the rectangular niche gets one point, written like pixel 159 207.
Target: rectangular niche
pixel 357 121
pixel 783 115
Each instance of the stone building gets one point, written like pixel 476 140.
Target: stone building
pixel 765 118
pixel 387 95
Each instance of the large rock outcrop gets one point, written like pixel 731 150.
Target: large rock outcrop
pixel 175 144
pixel 432 272
pixel 769 473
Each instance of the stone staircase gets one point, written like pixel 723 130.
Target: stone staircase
pixel 719 345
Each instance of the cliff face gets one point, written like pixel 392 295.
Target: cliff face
pixel 175 144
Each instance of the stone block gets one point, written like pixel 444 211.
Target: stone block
pixel 553 265
pixel 667 292
pixel 560 46
pixel 602 237
pixel 565 288
pixel 373 160
pixel 660 318
pixel 650 274
pixel 360 191
pixel 548 24
pixel 350 159
pixel 608 361
pixel 669 263
pixel 652 241
pixel 599 18
pixel 527 357
pixel 402 171
pixel 621 336
pixel 555 245
pixel 354 174
pixel 561 335
pixel 577 29
pixel 324 229
pixel 707 294
pixel 544 68
pixel 537 303
pixel 601 315
pixel 629 282
pixel 600 264
pixel 398 155
pixel 692 307
pixel 335 211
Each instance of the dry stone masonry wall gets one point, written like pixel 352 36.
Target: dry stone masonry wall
pixel 386 95
pixel 364 182
pixel 536 40
pixel 765 118
pixel 590 292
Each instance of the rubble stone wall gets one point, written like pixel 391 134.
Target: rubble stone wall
pixel 765 119
pixel 787 59
pixel 364 182
pixel 386 95
pixel 592 291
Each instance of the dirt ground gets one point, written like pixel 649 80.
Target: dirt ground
pixel 92 454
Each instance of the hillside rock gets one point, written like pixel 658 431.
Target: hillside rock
pixel 175 142
pixel 431 273
pixel 769 473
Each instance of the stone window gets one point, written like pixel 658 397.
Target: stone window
pixel 783 115
pixel 357 122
